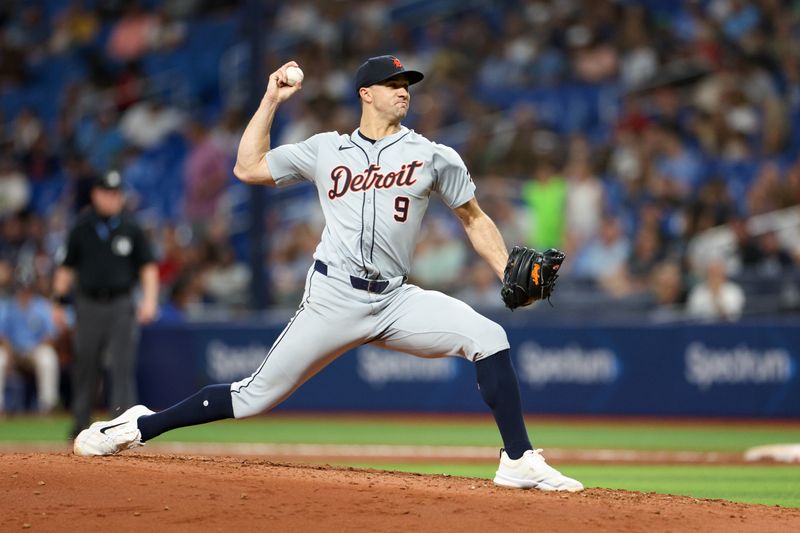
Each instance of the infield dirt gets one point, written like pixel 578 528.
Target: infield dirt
pixel 137 492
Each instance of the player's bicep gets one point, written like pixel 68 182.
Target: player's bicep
pixel 258 174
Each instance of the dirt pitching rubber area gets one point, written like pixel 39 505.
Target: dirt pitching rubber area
pixel 138 492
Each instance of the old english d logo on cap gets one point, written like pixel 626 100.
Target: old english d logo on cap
pixel 382 68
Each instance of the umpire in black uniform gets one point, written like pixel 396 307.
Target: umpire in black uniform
pixel 108 252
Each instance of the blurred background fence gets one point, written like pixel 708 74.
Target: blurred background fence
pixel 711 370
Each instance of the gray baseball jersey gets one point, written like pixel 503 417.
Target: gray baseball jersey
pixel 373 197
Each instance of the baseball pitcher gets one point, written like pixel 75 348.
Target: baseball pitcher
pixel 374 185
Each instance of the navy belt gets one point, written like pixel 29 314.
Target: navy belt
pixel 369 285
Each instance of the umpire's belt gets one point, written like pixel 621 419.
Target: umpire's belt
pixel 105 294
pixel 369 285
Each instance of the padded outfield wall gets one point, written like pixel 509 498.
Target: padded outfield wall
pixel 743 370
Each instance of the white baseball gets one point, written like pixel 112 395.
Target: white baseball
pixel 293 76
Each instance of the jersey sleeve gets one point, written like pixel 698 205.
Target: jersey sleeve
pixel 73 254
pixel 452 182
pixel 142 251
pixel 293 163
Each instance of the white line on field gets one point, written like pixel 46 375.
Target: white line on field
pixel 432 452
pixel 368 451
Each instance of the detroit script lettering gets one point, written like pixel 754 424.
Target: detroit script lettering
pixel 345 181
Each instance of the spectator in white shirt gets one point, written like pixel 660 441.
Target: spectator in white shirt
pixel 716 297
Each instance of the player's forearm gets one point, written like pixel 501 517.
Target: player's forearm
pixel 251 166
pixel 488 242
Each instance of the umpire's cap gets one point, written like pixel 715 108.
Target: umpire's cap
pixel 111 181
pixel 377 69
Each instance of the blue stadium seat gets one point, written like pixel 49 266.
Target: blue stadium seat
pixel 45 194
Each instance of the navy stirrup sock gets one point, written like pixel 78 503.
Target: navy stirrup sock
pixel 499 388
pixel 208 404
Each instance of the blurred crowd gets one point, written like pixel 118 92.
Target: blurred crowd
pixel 617 130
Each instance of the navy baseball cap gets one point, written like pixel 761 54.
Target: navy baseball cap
pixel 377 69
pixel 111 181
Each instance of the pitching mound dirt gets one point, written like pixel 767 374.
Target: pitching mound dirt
pixel 58 492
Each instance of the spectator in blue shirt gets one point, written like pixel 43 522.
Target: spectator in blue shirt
pixel 605 255
pixel 183 293
pixel 678 165
pixel 26 341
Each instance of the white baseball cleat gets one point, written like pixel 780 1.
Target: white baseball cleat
pixel 532 472
pixel 113 436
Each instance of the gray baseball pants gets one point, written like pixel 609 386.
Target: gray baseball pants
pixel 335 317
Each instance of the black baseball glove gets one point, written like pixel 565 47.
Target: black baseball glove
pixel 530 276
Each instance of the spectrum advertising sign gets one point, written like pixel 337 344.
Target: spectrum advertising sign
pixel 712 370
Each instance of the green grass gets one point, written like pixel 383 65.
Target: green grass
pixel 402 431
pixel 770 485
